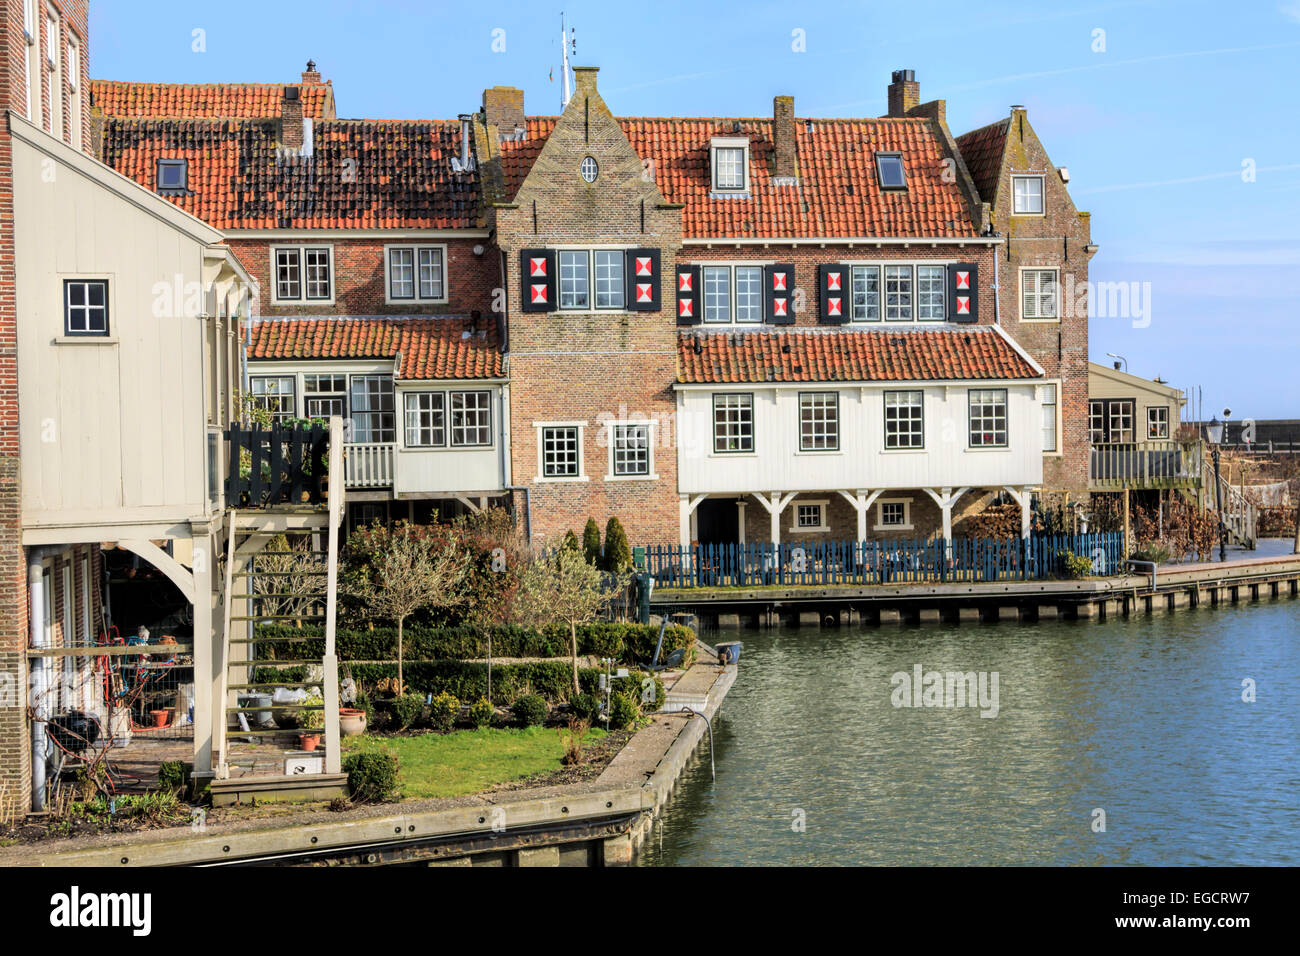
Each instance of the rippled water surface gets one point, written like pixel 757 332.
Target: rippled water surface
pixel 1142 718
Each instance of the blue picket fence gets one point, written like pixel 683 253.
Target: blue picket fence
pixel 901 561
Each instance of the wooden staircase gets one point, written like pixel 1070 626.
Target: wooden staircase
pixel 1240 517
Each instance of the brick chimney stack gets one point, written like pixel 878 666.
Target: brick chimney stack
pixel 584 79
pixel 310 75
pixel 291 118
pixel 783 138
pixel 904 93
pixel 503 107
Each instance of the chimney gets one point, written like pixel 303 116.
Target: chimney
pixel 310 75
pixel 503 107
pixel 464 162
pixel 291 118
pixel 904 93
pixel 783 139
pixel 584 79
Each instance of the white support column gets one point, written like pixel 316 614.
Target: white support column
pixel 774 519
pixel 207 640
pixel 740 520
pixel 1021 496
pixel 684 521
pixel 329 660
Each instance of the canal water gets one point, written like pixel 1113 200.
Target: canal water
pixel 1141 718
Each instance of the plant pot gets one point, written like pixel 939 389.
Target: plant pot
pixel 159 718
pixel 351 721
pixel 309 742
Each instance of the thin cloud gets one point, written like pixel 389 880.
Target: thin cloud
pixel 1183 179
pixel 1290 10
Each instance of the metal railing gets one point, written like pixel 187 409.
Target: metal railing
pixel 1145 464
pixel 368 464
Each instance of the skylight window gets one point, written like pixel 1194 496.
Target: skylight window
pixel 173 175
pixel 890 171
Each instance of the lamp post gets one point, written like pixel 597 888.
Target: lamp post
pixel 1214 432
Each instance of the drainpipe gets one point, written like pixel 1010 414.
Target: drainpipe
pixel 40 676
pixel 997 290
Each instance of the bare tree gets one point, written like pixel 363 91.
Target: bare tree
pixel 563 589
pixel 289 580
pixel 402 571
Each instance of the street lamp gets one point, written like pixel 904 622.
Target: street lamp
pixel 1118 358
pixel 1214 432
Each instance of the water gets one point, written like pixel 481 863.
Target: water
pixel 1142 718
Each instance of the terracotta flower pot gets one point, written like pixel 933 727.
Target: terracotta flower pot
pixel 159 717
pixel 351 721
pixel 309 742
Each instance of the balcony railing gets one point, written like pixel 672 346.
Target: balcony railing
pixel 269 467
pixel 368 464
pixel 1145 464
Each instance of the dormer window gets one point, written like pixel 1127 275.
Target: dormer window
pixel 173 177
pixel 730 164
pixel 890 171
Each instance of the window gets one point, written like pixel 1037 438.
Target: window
pixel 631 449
pixel 74 91
pixel 1158 421
pixel 426 426
pixel 905 419
pixel 1038 293
pixel 324 395
pixel 898 293
pixel 894 513
pixel 890 171
pixel 749 293
pixel 729 172
pixel 416 273
pixel 609 278
pixel 1096 421
pixel 1027 195
pixel 1049 418
pixel 1120 421
pixel 733 423
pixel 173 176
pixel 471 418
pixel 988 417
pixel 810 516
pixel 930 288
pixel 866 294
pixel 274 393
pixel 573 280
pixel 54 118
pixel 717 293
pixel 561 451
pixel 85 307
pixel 303 273
pixel 30 59
pixel 589 169
pixel 373 418
pixel 819 421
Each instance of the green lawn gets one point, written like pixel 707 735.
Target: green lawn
pixel 467 761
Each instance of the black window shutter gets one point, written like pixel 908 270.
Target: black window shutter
pixel 833 286
pixel 778 294
pixel 642 272
pixel 689 300
pixel 963 292
pixel 537 280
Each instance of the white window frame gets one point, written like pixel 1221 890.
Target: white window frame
pixel 318 395
pixel 541 428
pixel 718 143
pixel 610 437
pixel 907 515
pixel 354 414
pixel 854 315
pixel 31 33
pixel 74 89
pixel 301 249
pixel 460 393
pixel 53 66
pixel 1055 405
pixel 918 292
pixel 590 252
pixel 254 396
pixel 970 420
pixel 823 507
pixel 1167 422
pixel 826 449
pixel 732 293
pixel 753 424
pixel 408 413
pixel 884 420
pixel 416 297
pixel 1042 194
pixel 1031 290
pixel 911 291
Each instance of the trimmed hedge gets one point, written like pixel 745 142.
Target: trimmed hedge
pixel 627 643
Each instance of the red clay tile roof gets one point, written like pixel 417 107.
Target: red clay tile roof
pixel 848 356
pixel 430 348
pixel 982 150
pixel 401 175
pixel 837 194
pixel 206 100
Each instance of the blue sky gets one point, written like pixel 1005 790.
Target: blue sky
pixel 1155 128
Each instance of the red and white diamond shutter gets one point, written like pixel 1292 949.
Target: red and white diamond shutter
pixel 537 280
pixel 689 300
pixel 778 295
pixel 835 300
pixel 642 272
pixel 963 292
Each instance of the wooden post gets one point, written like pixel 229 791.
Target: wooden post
pixel 1126 524
pixel 330 660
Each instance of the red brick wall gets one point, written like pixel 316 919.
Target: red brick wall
pixel 359 276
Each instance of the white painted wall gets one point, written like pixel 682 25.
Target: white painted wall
pixel 777 464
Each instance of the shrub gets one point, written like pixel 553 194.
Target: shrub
pixel 618 553
pixel 363 704
pixel 372 777
pixel 586 707
pixel 443 710
pixel 623 711
pixel 573 755
pixel 1152 552
pixel 407 709
pixel 481 712
pixel 314 719
pixel 530 710
pixel 174 775
pixel 1073 565
pixel 591 541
